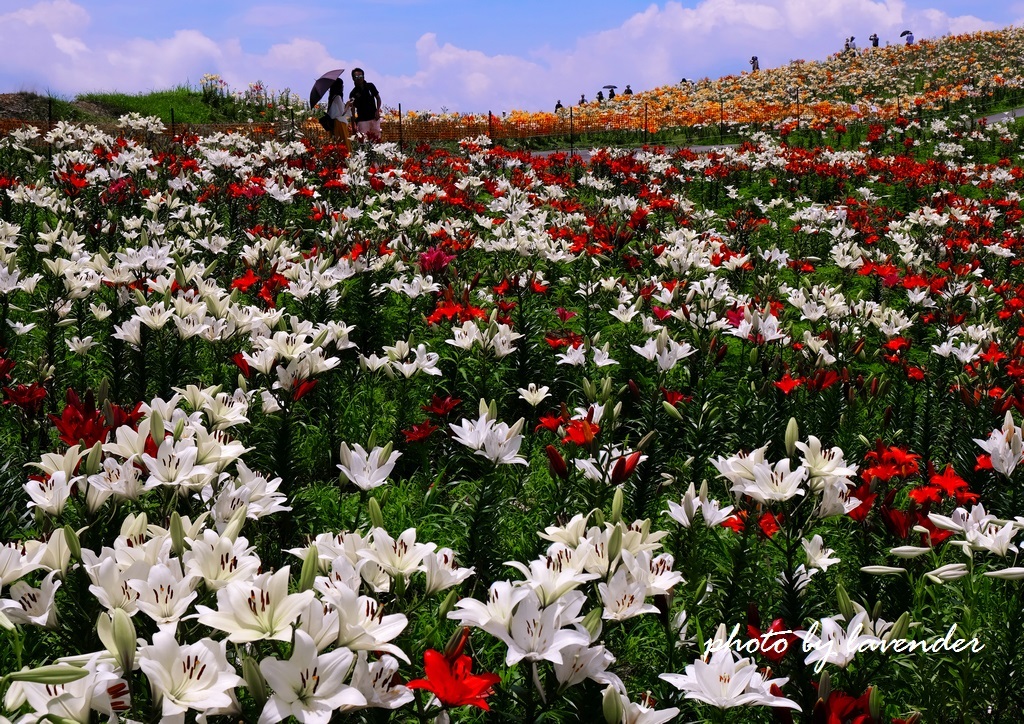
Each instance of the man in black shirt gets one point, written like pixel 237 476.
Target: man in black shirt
pixel 366 105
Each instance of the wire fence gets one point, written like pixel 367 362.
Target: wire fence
pixel 640 123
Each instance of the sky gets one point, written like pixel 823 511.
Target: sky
pixel 446 55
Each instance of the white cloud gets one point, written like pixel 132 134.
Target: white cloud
pixel 54 16
pixel 69 46
pixel 657 46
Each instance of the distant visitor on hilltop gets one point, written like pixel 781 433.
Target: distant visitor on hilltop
pixel 558 106
pixel 755 65
pixel 874 40
pixel 628 91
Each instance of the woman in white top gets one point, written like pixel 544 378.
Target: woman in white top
pixel 340 112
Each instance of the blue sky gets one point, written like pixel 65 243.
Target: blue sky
pixel 460 55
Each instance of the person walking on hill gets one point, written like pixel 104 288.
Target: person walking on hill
pixel 558 106
pixel 600 97
pixel 366 105
pixel 628 91
pixel 755 65
pixel 874 40
pixel 583 99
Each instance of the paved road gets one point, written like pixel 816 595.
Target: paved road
pixel 1005 115
pixel 585 153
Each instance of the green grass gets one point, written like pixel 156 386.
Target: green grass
pixel 188 105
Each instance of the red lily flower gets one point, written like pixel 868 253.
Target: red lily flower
pixel 453 682
pixel 673 397
pixel 28 397
pixel 420 431
pixel 441 406
pixel 81 422
pixel 774 642
pixel 551 423
pixel 624 467
pixel 787 384
pixel 246 281
pixel 300 389
pixel 580 432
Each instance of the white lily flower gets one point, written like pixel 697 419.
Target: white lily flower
pixel 262 609
pixel 194 676
pixel 367 470
pixel 534 395
pixel 309 685
pixel 537 634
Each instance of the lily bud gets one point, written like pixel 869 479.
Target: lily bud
pixel 598 515
pixel 617 501
pixel 593 624
pixel 634 389
pixel 588 390
pixel 875 703
pixel 51 674
pixel 125 640
pixel 108 413
pixel 243 384
pixel 448 604
pixel 615 544
pixel 624 467
pixel 611 706
pixel 310 566
pixel 606 385
pixel 321 338
pixel 646 440
pixel 457 642
pixel 376 516
pixel 179 429
pixel 753 356
pixel 254 681
pixel 792 435
pixel 177 530
pixel 74 545
pixel 5 623
pixel 179 276
pixel 899 629
pixel 492 410
pixel 93 459
pixel 556 463
pixel 671 410
pixel 824 686
pixel 845 604
pixel 156 427
pixel 234 526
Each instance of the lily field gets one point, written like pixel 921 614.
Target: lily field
pixel 461 433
